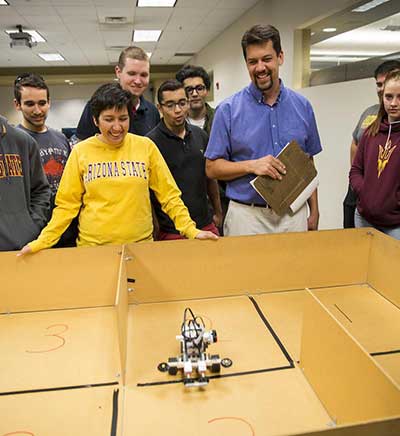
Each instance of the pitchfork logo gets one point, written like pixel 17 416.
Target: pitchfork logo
pixel 384 156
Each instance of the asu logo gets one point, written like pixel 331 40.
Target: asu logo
pixel 384 156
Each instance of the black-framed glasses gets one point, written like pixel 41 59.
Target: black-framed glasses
pixel 198 88
pixel 172 104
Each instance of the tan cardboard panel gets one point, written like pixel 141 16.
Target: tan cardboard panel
pixel 284 311
pixel 275 403
pixel 242 337
pixel 77 412
pixel 121 307
pixel 234 265
pixel 383 268
pixel 391 364
pixel 390 427
pixel 59 279
pixel 347 380
pixel 58 348
pixel 369 317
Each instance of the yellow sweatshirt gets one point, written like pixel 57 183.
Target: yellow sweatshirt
pixel 109 186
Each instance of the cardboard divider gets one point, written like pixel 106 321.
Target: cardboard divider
pixel 351 385
pixel 121 308
pixel 61 278
pixel 383 266
pixel 368 316
pixel 173 270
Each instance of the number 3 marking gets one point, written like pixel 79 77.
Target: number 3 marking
pixel 234 418
pixel 55 335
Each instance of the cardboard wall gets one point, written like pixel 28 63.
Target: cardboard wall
pixel 247 264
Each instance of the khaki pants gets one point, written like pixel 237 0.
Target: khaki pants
pixel 252 220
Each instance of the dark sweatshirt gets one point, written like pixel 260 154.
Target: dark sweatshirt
pixel 24 190
pixel 375 176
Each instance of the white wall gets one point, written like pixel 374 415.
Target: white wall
pixel 337 107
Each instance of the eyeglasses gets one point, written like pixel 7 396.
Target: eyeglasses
pixel 172 104
pixel 198 88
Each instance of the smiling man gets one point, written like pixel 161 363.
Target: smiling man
pixel 133 73
pixel 32 99
pixel 182 146
pixel 249 130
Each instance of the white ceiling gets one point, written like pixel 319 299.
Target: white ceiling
pixel 76 29
pixel 359 44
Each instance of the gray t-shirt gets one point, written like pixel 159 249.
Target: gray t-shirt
pixel 54 150
pixel 366 119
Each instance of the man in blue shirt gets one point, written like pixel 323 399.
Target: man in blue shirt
pixel 250 128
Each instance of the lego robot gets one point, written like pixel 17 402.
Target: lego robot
pixel 194 340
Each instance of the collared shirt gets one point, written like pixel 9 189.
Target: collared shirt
pixel 145 118
pixel 245 128
pixel 186 162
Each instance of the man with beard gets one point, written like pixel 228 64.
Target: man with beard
pixel 133 74
pixel 182 146
pixel 249 130
pixel 32 99
pixel 366 119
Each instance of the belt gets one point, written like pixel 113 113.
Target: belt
pixel 265 206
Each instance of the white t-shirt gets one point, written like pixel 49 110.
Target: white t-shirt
pixel 198 123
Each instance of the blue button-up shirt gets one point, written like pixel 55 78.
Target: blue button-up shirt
pixel 246 128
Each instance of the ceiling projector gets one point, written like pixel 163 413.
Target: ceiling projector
pixel 21 39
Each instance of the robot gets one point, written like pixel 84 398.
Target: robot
pixel 194 341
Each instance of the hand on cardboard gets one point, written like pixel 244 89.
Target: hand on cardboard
pixel 203 234
pixel 268 166
pixel 24 250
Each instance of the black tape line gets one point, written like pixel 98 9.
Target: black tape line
pixel 114 420
pixel 384 353
pixel 271 330
pixel 65 388
pixel 216 376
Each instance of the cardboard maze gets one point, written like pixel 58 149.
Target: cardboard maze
pixel 311 322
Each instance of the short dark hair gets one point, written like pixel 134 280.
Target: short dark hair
pixel 387 67
pixel 131 52
pixel 30 80
pixel 169 85
pixel 193 71
pixel 259 34
pixel 109 96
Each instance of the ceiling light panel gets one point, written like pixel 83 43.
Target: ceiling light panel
pixel 370 5
pixel 4 3
pixel 146 35
pixel 51 57
pixel 156 3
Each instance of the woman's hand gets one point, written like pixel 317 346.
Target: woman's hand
pixel 24 250
pixel 203 234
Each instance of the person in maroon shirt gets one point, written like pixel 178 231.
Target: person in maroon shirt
pixel 375 173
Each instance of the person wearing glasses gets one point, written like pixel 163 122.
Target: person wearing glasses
pixel 133 74
pixel 182 145
pixel 197 86
pixel 366 119
pixel 32 99
pixel 107 180
pixel 249 130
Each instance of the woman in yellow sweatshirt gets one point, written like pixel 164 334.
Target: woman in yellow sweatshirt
pixel 107 180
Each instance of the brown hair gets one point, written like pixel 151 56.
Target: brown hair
pixel 373 129
pixel 131 52
pixel 260 34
